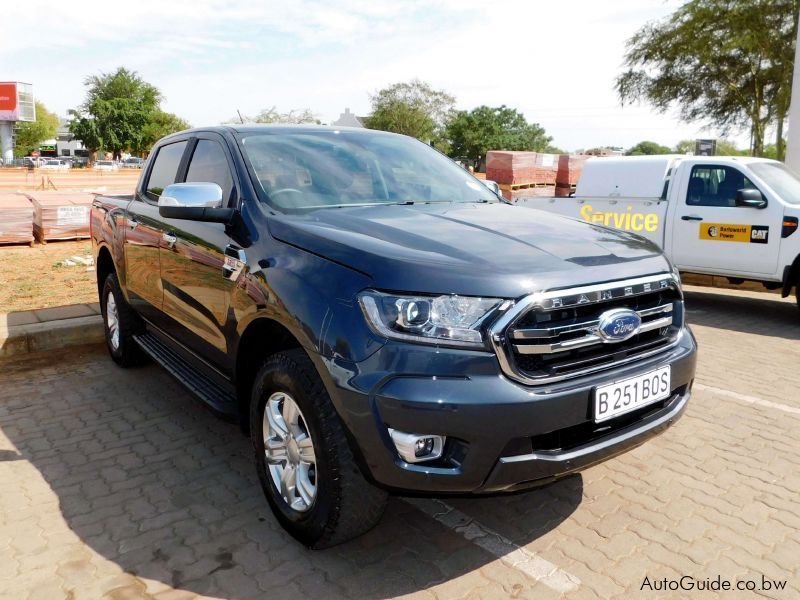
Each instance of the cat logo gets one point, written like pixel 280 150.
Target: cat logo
pixel 759 234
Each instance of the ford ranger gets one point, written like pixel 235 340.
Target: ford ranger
pixel 379 321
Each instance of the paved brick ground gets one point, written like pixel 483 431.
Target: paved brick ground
pixel 117 484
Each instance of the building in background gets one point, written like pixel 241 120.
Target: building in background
pixel 348 119
pixel 67 145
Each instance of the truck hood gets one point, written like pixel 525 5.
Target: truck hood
pixel 490 250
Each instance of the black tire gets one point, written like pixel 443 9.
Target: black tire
pixel 346 505
pixel 125 352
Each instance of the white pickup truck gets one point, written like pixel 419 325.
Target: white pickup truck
pixel 719 215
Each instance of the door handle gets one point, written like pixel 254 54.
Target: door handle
pixel 691 218
pixel 169 239
pixel 133 223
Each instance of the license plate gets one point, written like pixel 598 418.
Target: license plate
pixel 629 394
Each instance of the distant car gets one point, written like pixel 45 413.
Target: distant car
pixel 55 165
pixel 105 165
pixel 132 163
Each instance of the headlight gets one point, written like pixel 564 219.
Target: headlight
pixel 453 320
pixel 677 275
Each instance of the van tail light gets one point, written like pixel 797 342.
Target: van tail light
pixel 789 226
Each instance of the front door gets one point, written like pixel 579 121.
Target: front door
pixel 197 284
pixel 711 233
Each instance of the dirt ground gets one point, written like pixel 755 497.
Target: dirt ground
pixel 32 278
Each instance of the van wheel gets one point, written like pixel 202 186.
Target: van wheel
pixel 304 461
pixel 120 324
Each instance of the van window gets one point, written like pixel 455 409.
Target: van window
pixel 715 185
pixel 165 169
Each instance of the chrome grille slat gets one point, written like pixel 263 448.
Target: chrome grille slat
pixel 551 336
pixel 547 332
pixel 588 340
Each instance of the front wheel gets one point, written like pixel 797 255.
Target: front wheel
pixel 305 464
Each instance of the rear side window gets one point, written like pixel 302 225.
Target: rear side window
pixel 209 165
pixel 165 169
pixel 714 185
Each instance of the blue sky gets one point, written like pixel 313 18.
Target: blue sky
pixel 555 61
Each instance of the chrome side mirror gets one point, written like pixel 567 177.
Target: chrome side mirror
pixel 194 202
pixel 191 195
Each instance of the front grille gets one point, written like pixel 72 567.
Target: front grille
pixel 554 335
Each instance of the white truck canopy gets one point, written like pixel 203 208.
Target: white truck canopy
pixel 628 176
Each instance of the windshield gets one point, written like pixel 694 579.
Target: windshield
pixel 331 168
pixel 783 182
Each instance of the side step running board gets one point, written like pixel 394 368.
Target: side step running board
pixel 217 397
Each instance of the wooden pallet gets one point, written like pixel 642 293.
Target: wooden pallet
pixel 513 187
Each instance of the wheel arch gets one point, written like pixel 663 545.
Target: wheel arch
pixel 263 337
pixel 791 277
pixel 104 267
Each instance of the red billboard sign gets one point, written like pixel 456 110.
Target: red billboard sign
pixel 16 101
pixel 8 102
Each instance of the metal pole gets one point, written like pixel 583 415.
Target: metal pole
pixel 6 147
pixel 793 136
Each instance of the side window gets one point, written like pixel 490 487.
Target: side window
pixel 165 169
pixel 209 164
pixel 714 185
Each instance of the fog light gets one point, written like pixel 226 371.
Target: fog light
pixel 417 447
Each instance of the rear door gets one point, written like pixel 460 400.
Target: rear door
pixel 197 284
pixel 144 231
pixel 711 234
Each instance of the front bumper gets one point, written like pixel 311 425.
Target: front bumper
pixel 503 436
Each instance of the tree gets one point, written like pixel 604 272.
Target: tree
pixel 273 115
pixel 726 62
pixel 412 108
pixel 159 125
pixel 472 134
pixel 117 109
pixel 647 148
pixel 31 134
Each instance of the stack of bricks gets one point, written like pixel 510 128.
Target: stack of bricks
pixel 60 215
pixel 569 171
pixel 16 219
pixel 522 174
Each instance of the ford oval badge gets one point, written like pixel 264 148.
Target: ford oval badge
pixel 618 325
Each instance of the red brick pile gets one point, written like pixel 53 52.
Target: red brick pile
pixel 569 171
pixel 534 174
pixel 60 215
pixel 16 219
pixel 506 167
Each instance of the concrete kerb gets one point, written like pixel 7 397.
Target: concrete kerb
pixel 50 329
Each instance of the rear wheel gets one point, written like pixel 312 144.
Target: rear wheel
pixel 305 464
pixel 121 324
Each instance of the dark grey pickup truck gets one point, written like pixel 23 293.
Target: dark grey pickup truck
pixel 379 321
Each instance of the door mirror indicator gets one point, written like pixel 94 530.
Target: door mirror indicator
pixel 750 198
pixel 195 202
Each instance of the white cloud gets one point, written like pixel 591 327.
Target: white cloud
pixel 554 61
